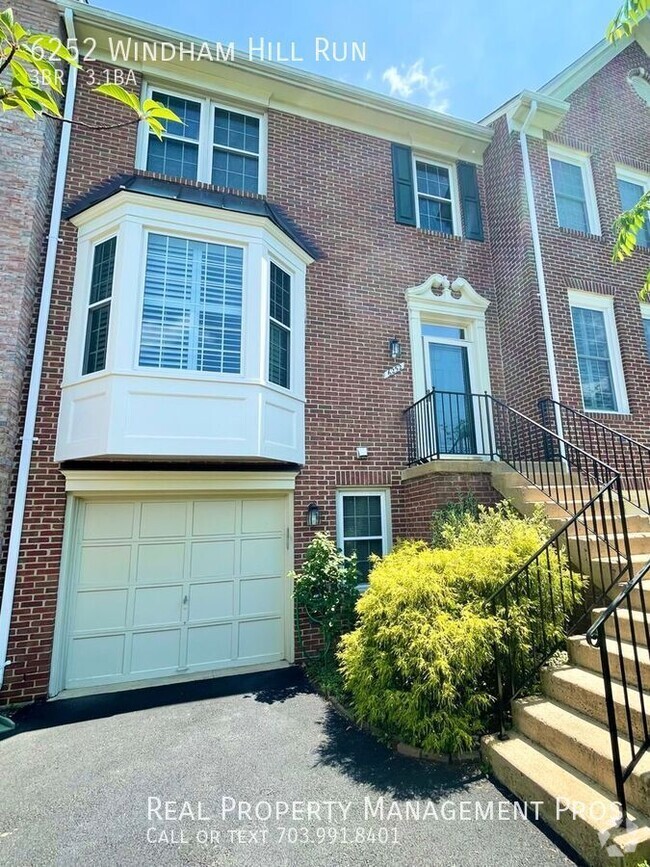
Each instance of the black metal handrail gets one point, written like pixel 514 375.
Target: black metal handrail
pixel 552 595
pixel 630 457
pixel 605 633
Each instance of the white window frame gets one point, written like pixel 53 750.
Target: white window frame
pixel 206 133
pixel 604 303
pixel 623 173
pixel 283 266
pixel 453 189
pixel 191 235
pixel 645 316
pixel 583 161
pixel 386 536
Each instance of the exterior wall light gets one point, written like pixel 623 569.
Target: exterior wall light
pixel 313 515
pixel 395 348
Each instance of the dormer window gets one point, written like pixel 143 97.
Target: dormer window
pixel 214 143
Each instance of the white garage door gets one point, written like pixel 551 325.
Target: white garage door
pixel 168 587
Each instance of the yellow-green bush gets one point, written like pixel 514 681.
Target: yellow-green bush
pixel 420 664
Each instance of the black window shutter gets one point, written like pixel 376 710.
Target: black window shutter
pixel 403 185
pixel 470 201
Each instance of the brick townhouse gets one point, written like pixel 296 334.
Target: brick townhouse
pixel 241 314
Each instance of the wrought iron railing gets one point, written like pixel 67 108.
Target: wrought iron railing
pixel 618 627
pixel 552 595
pixel 630 458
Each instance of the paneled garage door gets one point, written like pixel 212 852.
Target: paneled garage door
pixel 165 587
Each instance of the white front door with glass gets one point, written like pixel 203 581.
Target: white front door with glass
pixel 447 372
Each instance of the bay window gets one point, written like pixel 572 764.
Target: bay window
pixel 193 334
pixel 191 316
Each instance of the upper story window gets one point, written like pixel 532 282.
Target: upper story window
pixel 597 350
pixel 435 197
pixel 99 306
pixel 192 309
pixel 432 194
pixel 236 157
pixel 214 143
pixel 178 152
pixel 573 187
pixel 631 186
pixel 279 327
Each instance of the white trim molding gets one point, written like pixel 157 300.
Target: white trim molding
pixel 439 301
pixel 582 160
pixel 604 303
pixel 137 482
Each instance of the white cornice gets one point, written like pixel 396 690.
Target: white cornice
pixel 119 482
pixel 439 290
pixel 274 85
pixel 549 112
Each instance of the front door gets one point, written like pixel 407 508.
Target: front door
pixel 448 373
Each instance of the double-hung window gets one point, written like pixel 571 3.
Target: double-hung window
pixel 213 143
pixel 599 360
pixel 575 198
pixel 236 150
pixel 99 306
pixel 280 327
pixel 177 154
pixel 362 526
pixel 435 197
pixel 631 187
pixel 192 310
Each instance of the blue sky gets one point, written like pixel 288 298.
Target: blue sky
pixel 464 57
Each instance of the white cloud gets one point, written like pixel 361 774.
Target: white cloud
pixel 417 85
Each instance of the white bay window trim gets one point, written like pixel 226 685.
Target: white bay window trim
pixel 453 187
pixel 206 134
pixel 128 409
pixel 605 304
pixel 583 161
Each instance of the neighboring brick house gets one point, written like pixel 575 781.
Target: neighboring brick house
pixel 242 313
pixel 27 161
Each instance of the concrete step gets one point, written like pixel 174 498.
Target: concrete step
pixel 582 812
pixel 635 597
pixel 583 654
pixel 584 690
pixel 582 743
pixel 635 523
pixel 625 624
pixel 593 539
pixel 608 567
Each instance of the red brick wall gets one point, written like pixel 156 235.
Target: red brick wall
pixel 608 120
pixel 28 157
pixel 424 495
pixel 337 186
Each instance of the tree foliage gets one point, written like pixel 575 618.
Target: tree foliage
pixel 31 78
pixel 629 223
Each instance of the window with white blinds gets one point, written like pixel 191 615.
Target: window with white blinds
pixel 192 311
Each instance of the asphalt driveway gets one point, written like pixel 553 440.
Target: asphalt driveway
pixel 255 770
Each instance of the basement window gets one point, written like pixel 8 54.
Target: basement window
pixel 363 526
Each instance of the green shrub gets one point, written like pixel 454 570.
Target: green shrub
pixel 444 520
pixel 420 664
pixel 326 590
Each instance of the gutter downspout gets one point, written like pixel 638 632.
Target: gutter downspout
pixel 539 265
pixel 13 550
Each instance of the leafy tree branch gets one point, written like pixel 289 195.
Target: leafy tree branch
pixel 32 84
pixel 628 225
